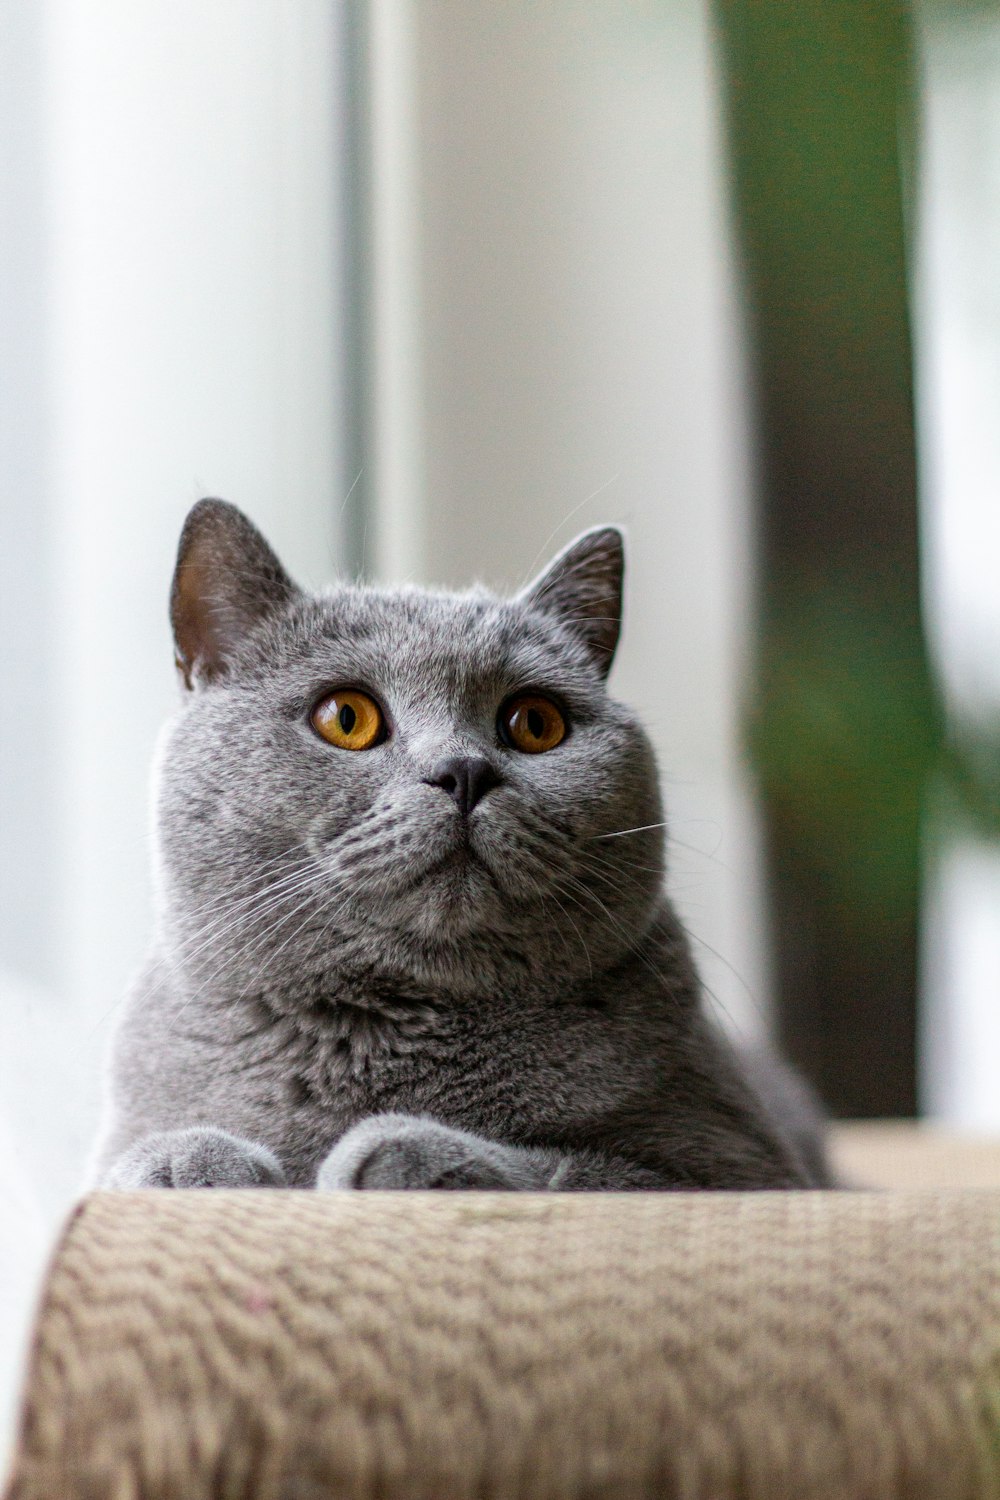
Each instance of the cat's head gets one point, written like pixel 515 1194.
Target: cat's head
pixel 431 787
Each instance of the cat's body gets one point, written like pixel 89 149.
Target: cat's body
pixel 436 959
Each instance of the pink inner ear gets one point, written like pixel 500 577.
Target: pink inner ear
pixel 194 639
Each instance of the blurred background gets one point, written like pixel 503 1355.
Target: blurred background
pixel 427 286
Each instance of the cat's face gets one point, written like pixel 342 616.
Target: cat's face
pixel 454 850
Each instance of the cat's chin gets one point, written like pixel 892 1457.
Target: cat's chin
pixel 455 896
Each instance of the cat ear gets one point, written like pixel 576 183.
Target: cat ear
pixel 226 581
pixel 582 587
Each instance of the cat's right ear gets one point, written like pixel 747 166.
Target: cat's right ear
pixel 226 581
pixel 582 587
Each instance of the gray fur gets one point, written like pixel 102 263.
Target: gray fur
pixel 351 979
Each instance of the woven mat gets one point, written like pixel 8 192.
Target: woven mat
pixel 293 1346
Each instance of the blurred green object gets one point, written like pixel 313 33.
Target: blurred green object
pixel 844 734
pixel 843 726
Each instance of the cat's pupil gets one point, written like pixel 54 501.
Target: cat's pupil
pixel 348 718
pixel 536 724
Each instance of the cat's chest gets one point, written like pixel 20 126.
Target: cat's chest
pixel 477 1067
pixel 330 1054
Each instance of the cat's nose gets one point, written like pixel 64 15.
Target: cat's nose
pixel 465 778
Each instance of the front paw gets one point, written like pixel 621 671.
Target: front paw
pixel 199 1157
pixel 404 1152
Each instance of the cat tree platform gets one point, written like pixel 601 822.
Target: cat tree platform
pixel 298 1346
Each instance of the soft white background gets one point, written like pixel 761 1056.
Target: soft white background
pixel 957 306
pixel 173 332
pixel 554 339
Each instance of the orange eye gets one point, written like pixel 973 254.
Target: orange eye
pixel 349 719
pixel 531 723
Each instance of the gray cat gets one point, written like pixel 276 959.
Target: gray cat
pixel 410 928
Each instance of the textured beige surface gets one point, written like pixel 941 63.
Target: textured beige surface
pixel 291 1346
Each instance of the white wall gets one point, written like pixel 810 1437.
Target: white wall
pixel 169 303
pixel 554 302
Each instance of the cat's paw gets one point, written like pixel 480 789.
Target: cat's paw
pixel 199 1157
pixel 406 1152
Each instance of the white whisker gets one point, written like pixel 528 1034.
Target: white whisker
pixel 621 832
pixel 565 521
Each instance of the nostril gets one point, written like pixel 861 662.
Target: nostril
pixel 465 778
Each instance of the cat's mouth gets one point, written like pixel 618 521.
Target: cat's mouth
pixel 440 874
pixel 461 859
pixel 455 887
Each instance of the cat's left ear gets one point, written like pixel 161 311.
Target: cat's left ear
pixel 582 588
